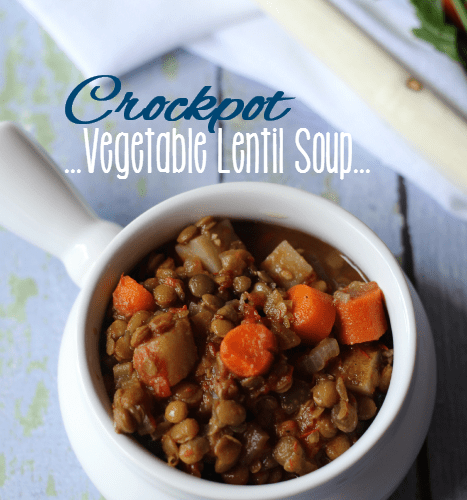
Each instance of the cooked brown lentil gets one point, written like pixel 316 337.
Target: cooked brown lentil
pixel 221 327
pixel 337 446
pixel 172 390
pixel 230 412
pixel 325 393
pixel 165 295
pixel 193 450
pixel 200 284
pixel 185 430
pixel 366 408
pixel 227 451
pixel 176 411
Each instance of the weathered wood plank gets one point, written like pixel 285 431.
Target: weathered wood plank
pixel 36 294
pixel 407 490
pixel 439 245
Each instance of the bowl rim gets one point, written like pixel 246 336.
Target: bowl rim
pixel 155 469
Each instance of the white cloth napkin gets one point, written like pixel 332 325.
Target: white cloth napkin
pixel 116 36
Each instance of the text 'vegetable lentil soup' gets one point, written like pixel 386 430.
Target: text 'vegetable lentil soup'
pixel 245 352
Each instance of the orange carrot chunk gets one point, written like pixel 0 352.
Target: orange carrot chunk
pixel 166 358
pixel 130 297
pixel 152 368
pixel 360 313
pixel 313 311
pixel 248 349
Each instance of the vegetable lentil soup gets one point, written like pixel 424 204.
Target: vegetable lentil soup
pixel 246 352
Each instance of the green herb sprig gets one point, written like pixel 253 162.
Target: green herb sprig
pixel 443 35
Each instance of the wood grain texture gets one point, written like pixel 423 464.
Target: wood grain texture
pixel 407 490
pixel 439 245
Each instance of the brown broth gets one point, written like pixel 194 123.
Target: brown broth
pixel 330 264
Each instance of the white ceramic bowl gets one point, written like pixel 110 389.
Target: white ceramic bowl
pixel 122 469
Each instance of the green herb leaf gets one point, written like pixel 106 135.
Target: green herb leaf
pixel 434 29
pixel 461 11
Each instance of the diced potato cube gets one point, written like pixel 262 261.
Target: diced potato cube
pixel 223 235
pixel 165 360
pixel 203 248
pixel 286 266
pixel 359 369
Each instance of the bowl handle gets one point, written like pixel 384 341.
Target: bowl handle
pixel 38 204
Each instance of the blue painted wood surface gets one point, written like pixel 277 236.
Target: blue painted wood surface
pixel 36 294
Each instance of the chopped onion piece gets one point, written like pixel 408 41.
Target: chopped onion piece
pixel 316 360
pixel 209 245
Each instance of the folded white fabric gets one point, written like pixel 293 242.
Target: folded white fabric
pixel 115 36
pixel 232 33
